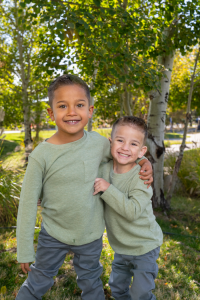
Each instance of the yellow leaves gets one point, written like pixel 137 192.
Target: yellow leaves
pixel 3 290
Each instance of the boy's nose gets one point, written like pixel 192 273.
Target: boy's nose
pixel 71 111
pixel 125 146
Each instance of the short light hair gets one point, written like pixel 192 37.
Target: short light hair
pixel 67 79
pixel 131 121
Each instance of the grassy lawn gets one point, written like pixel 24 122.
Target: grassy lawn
pixel 179 261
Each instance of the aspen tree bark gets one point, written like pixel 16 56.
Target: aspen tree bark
pixel 89 127
pixel 156 128
pixel 126 101
pixel 25 78
pixel 182 147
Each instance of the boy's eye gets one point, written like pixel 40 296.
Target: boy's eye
pixel 62 106
pixel 80 105
pixel 133 144
pixel 120 141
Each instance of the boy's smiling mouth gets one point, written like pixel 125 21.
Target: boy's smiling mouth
pixel 72 122
pixel 122 154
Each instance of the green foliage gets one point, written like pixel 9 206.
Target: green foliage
pixel 9 197
pixel 180 86
pixel 189 172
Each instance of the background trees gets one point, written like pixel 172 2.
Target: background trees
pixel 123 49
pixel 19 52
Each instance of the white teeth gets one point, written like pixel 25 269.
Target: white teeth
pixel 124 154
pixel 72 122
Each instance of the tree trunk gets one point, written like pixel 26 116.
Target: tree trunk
pixel 89 127
pixel 188 116
pixel 126 98
pixel 156 128
pixel 121 105
pixel 37 131
pixel 25 77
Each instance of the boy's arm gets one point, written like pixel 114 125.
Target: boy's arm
pixel 146 171
pixel 30 193
pixel 130 207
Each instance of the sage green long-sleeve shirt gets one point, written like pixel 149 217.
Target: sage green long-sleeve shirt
pixel 130 222
pixel 63 177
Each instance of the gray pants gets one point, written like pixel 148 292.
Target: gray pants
pixel 142 268
pixel 50 256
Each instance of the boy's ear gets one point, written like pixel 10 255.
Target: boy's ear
pixel 50 112
pixel 142 151
pixel 91 108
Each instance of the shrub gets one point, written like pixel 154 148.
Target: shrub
pixel 189 172
pixel 9 197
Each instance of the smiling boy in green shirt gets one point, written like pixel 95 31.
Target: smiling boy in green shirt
pixel 132 230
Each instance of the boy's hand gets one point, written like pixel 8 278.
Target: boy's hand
pixel 25 267
pixel 100 185
pixel 146 172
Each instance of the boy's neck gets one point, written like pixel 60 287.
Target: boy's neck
pixel 120 169
pixel 60 137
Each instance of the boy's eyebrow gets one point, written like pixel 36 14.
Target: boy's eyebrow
pixel 118 136
pixel 76 100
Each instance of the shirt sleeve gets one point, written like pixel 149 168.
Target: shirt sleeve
pixel 139 159
pixel 130 207
pixel 106 152
pixel 30 193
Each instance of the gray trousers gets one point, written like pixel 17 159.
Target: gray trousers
pixel 50 256
pixel 142 268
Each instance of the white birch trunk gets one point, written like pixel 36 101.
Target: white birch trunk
pixel 156 127
pixel 25 78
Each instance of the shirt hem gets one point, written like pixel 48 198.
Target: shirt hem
pixel 64 241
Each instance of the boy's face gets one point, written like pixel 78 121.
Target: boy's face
pixel 127 145
pixel 70 109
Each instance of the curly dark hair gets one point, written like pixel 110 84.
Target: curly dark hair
pixel 132 121
pixel 67 79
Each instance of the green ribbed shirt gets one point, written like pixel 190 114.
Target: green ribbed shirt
pixel 130 222
pixel 63 177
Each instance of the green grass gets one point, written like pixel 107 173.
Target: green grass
pixel 171 135
pixel 19 137
pixel 8 146
pixel 179 261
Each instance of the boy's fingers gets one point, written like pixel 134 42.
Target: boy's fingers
pixel 149 182
pixel 145 177
pixel 97 179
pixel 22 267
pixel 25 267
pixel 145 172
pixel 28 267
pixel 96 185
pixel 96 191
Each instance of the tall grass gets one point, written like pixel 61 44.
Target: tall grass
pixel 9 197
